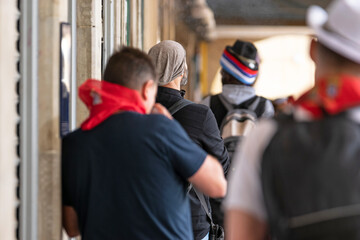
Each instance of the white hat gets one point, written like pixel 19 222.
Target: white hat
pixel 339 27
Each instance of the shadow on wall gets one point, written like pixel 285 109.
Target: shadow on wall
pixel 285 69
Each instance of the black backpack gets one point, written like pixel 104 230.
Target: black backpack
pixel 310 179
pixel 236 121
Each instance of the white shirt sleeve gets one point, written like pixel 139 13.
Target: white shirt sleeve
pixel 245 190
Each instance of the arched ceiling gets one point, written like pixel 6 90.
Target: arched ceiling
pixel 262 12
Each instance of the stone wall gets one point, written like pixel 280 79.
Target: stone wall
pixel 89 34
pixel 51 13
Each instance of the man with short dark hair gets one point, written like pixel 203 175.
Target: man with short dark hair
pixel 297 176
pixel 125 172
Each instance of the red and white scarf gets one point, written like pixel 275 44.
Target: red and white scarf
pixel 104 99
pixel 331 95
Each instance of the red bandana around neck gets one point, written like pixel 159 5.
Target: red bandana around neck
pixel 104 99
pixel 331 95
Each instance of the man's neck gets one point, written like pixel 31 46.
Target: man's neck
pixel 174 84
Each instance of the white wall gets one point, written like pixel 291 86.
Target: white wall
pixel 8 118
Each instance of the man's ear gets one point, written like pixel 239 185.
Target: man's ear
pixel 147 89
pixel 313 49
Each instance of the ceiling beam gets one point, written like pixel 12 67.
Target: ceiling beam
pixel 257 32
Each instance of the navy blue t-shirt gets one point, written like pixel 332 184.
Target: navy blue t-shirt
pixel 127 178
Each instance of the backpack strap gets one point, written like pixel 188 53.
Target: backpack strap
pixel 260 108
pixel 201 197
pixel 258 102
pixel 226 104
pixel 216 231
pixel 325 215
pixel 218 108
pixel 179 105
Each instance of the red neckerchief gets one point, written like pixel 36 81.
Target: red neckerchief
pixel 104 99
pixel 331 95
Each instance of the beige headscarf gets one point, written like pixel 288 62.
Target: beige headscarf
pixel 169 58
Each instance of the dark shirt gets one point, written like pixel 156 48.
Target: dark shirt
pixel 200 124
pixel 310 168
pixel 127 178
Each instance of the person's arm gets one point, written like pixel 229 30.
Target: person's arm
pixel 191 162
pixel 209 179
pixel 240 225
pixel 70 221
pixel 245 211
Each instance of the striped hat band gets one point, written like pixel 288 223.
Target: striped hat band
pixel 237 69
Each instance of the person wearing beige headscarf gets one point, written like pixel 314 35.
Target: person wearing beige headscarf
pixel 198 120
pixel 169 58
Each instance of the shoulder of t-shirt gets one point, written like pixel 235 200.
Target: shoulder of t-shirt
pixel 74 134
pixel 147 121
pixel 160 122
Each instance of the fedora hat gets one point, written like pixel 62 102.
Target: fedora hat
pixel 241 61
pixel 338 28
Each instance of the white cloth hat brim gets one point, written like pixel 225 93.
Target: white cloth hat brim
pixel 316 19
